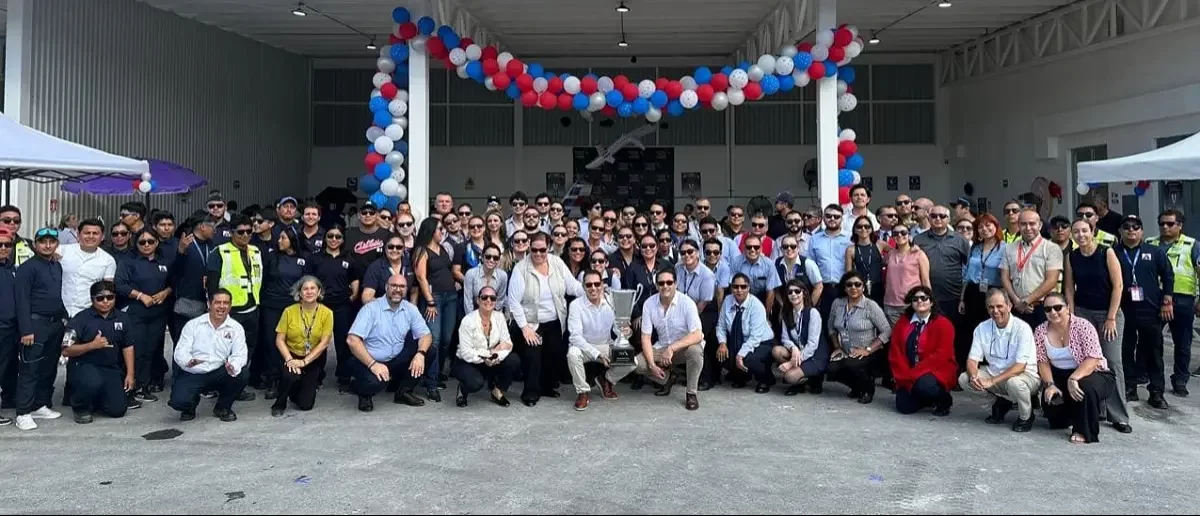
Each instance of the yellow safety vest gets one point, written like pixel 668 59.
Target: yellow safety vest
pixel 1009 238
pixel 1102 237
pixel 1180 256
pixel 234 277
pixel 22 252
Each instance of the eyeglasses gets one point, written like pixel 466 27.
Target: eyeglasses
pixel 939 216
pixel 1085 214
pixel 758 225
pixel 737 214
pixel 8 220
pixel 920 299
pixel 491 257
pixel 103 298
pixel 854 284
pixel 964 229
pixel 904 202
pixel 1168 223
pixel 489 298
pixel 404 224
pixel 531 216
pixel 789 247
pixel 1012 210
pixel 687 252
pixel 666 283
pixel 888 215
pixel 539 250
pixel 739 286
pixel 474 226
pixel 833 216
pixel 1055 308
pixel 120 233
pixel 328 236
pixel 124 214
pixel 401 286
pixel 594 284
pixel 520 241
pixel 868 228
pixel 543 203
pixel 753 247
pixel 395 247
pixel 577 249
pixel 664 240
pixel 450 221
pixel 640 224
pixel 147 242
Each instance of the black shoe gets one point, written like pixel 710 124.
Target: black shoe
pixel 187 416
pixel 1142 380
pixel 225 415
pixel 1157 401
pixel 737 385
pixel 1180 391
pixel 866 398
pixel 854 393
pixel 1000 408
pixel 247 396
pixel 277 411
pixel 1122 427
pixel 132 404
pixel 956 388
pixel 502 401
pixel 441 386
pixel 941 411
pixel 551 393
pixel 529 402
pixel 208 395
pixel 1024 425
pixel 410 399
pixel 461 399
pixel 665 388
pixel 442 378
pixel 1131 394
pixel 270 394
pixel 84 418
pixel 816 388
pixel 156 388
pixel 365 404
pixel 145 396
pixel 793 390
pixel 343 388
pixel 636 383
pixel 762 388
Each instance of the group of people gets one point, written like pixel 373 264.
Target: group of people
pixel 920 298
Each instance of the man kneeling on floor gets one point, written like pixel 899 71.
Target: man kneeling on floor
pixel 590 323
pixel 677 322
pixel 210 356
pixel 1006 343
pixel 100 345
pixel 377 339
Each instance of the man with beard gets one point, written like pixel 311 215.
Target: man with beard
pixel 366 242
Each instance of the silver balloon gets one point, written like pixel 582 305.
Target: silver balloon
pixel 418 43
pixel 755 73
pixel 394 158
pixel 596 101
pixel 402 193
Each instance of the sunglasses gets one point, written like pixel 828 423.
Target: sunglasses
pixel 6 245
pixel 559 235
pixel 737 214
pixel 577 249
pixel 656 212
pixel 888 215
pixel 394 247
pixel 900 233
pixel 625 236
pixel 599 260
pixel 687 252
pixel 789 247
pixel 939 216
pixel 741 286
pixel 475 226
pixel 1131 227
pixel 681 221
pixel 610 219
pixel 594 284
pixel 833 216
pixel 1168 224
pixel 518 204
pixel 404 224
pixel 543 203
pixel 10 221
pixel 665 283
pixel 243 232
pixel 216 205
pixel 120 233
pixel 854 284
pixel 1060 226
pixel 489 298
pixel 464 213
pixel 713 252
pixel 104 298
pixel 386 217
pixel 758 225
pixel 920 299
pixel 794 292
pixel 1012 210
pixel 539 250
pixel 328 236
pixel 147 242
pixel 1055 308
pixel 629 213
pixel 665 241
pixel 520 241
pixel 708 231
pixel 556 210
pixel 1085 214
pixel 649 246
pixel 905 202
pixel 795 222
pixel 258 221
pixel 868 228
pixel 753 247
pixel 491 257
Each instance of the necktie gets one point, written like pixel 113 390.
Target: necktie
pixel 913 338
pixel 737 337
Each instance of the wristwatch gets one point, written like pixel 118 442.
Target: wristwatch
pixel 421 352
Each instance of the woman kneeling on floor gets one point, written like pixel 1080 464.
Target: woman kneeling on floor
pixel 301 338
pixel 1074 371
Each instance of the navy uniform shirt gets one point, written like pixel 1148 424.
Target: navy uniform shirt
pixel 378 273
pixel 145 275
pixel 222 233
pixel 119 255
pixel 8 294
pixel 1153 275
pixel 264 245
pixel 87 325
pixel 190 268
pixel 39 292
pixel 280 272
pixel 336 273
pixel 314 244
pixel 168 251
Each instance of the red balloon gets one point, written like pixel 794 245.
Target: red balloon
pixel 805 47
pixel 501 81
pixel 673 89
pixel 565 101
pixel 408 30
pixel 587 85
pixel 844 195
pixel 465 42
pixel 609 111
pixel 704 92
pixel 449 65
pixel 490 67
pixel 388 91
pixel 554 85
pixel 842 37
pixel 849 89
pixel 753 91
pixel 719 82
pixel 841 161
pixel 524 82
pixel 661 83
pixel 515 67
pixel 529 98
pixel 394 39
pixel 137 183
pixel 837 54
pixel 817 71
pixel 619 82
pixel 373 158
pixel 548 100
pixel 629 91
pixel 436 47
pixel 847 148
pixel 490 53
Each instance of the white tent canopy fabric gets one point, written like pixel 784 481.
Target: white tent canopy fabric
pixel 1177 162
pixel 28 153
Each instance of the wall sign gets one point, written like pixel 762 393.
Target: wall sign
pixel 636 176
pixel 893 183
pixel 914 183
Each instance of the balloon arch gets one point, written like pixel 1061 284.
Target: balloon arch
pixel 535 86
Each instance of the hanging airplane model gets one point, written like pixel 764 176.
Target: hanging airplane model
pixel 630 139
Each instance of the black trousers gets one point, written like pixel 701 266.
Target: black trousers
pixel 758 362
pixel 37 366
pixel 97 389
pixel 475 377
pixel 9 342
pixel 925 392
pixel 343 317
pixel 364 382
pixel 249 322
pixel 1142 348
pixel 963 332
pixel 829 294
pixel 1084 415
pixel 541 363
pixel 186 388
pixel 300 388
pixel 854 373
pixel 150 337
pixel 712 368
pixel 267 364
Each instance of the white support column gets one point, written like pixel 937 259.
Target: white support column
pixel 827 118
pixel 418 132
pixel 19 44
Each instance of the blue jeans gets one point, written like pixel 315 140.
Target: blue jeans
pixel 441 328
pixel 1181 335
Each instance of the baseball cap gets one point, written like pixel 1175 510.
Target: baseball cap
pixel 962 201
pixel 1060 220
pixel 368 206
pixel 216 197
pixel 1132 218
pixel 46 233
pixel 786 198
pixel 286 199
pixel 493 200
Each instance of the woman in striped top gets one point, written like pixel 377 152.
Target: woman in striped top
pixel 1074 371
pixel 858 330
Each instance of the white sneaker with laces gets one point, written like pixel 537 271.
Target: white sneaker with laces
pixel 25 422
pixel 45 413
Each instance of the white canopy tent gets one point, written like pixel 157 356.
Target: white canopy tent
pixel 26 153
pixel 1177 162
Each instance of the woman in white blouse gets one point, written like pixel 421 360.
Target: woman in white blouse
pixel 485 356
pixel 599 263
pixel 804 353
pixel 487 274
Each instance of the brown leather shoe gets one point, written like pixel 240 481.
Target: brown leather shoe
pixel 691 403
pixel 581 402
pixel 608 389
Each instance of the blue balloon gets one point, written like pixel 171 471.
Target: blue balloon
pixel 727 70
pixel 640 106
pixel 475 70
pixel 786 83
pixel 675 108
pixel 658 99
pixel 702 75
pixel 1139 191
pixel 444 30
pixel 855 162
pixel 744 66
pixel 451 40
pixel 1094 185
pixel 592 75
pixel 845 177
pixel 513 91
pixel 371 149
pixel 563 76
pixel 770 84
pixel 848 74
pixel 614 98
pixel 580 101
pixel 378 199
pixel 153 185
pixel 377 104
pixel 803 61
pixel 392 204
pixel 402 147
pixel 383 171
pixel 536 70
pixel 401 15
pixel 399 54
pixel 383 118
pixel 426 25
pixel 401 81
pixel 626 110
pixel 831 69
pixel 368 184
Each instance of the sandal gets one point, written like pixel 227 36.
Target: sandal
pixel 1078 439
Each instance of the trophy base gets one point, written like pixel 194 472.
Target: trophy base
pixel 624 356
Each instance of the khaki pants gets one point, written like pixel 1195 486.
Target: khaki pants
pixel 1019 389
pixel 693 357
pixel 576 359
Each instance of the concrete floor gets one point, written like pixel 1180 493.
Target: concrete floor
pixel 741 452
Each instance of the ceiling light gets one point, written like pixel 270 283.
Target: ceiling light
pixel 874 39
pixel 945 3
pixel 299 10
pixel 622 8
pixel 371 45
pixel 622 43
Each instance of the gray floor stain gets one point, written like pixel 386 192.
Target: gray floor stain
pixel 160 435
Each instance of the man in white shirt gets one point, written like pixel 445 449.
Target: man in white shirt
pixel 590 324
pixel 1006 344
pixel 83 265
pixel 677 322
pixel 860 199
pixel 211 355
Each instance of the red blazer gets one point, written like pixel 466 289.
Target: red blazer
pixel 935 347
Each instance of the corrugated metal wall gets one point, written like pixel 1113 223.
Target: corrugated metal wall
pixel 133 80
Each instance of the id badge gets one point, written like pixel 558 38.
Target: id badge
pixel 307 346
pixel 1135 293
pixel 983 286
pixel 844 336
pixel 868 287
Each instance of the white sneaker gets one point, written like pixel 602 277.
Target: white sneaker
pixel 26 422
pixel 45 413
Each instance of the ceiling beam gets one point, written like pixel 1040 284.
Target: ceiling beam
pixel 785 24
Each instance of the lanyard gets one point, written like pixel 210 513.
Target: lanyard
pixel 1137 257
pixel 866 264
pixel 846 313
pixel 1007 342
pixel 308 328
pixel 687 283
pixel 1023 259
pixel 203 252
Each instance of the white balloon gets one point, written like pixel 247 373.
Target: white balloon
pixel 801 78
pixel 540 84
pixel 766 62
pixel 857 177
pixel 788 51
pixel 842 87
pixel 144 187
pixel 146 176
pixel 385 65
pixel 397 107
pixel 653 115
pixel 380 78
pixel 604 84
pixel 646 88
pixel 820 53
pixel 389 187
pixel 739 79
pixel 417 44
pixel 401 193
pixel 720 101
pixel 376 93
pixel 401 95
pixel 784 65
pixel 489 84
pixel 385 51
pixel 736 97
pixel 848 135
pixel 689 99
pixel 571 85
pixel 756 73
pixel 596 101
pixel 1082 188
pixel 398 173
pixel 843 62
pixel 401 121
pixel 503 59
pixel 853 30
pixel 394 132
pixel 461 70
pixel 384 145
pixel 394 158
pixel 847 102
pixel 474 52
pixel 854 49
pixel 374 133
pixel 458 57
pixel 688 83
pixel 825 37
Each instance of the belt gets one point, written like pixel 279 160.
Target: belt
pixel 40 317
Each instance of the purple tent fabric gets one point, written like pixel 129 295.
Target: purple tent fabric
pixel 172 178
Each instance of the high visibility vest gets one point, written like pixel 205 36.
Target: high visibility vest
pixel 1180 256
pixel 1009 238
pixel 234 277
pixel 22 251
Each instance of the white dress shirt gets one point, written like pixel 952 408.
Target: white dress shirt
pixel 590 324
pixel 849 218
pixel 80 270
pixel 673 322
pixel 212 346
pixel 812 341
pixel 1003 347
pixel 474 346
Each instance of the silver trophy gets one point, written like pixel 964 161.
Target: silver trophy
pixel 622 302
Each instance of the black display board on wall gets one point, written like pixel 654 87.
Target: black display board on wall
pixel 640 177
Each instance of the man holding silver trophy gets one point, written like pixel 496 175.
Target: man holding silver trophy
pixel 592 322
pixel 677 323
